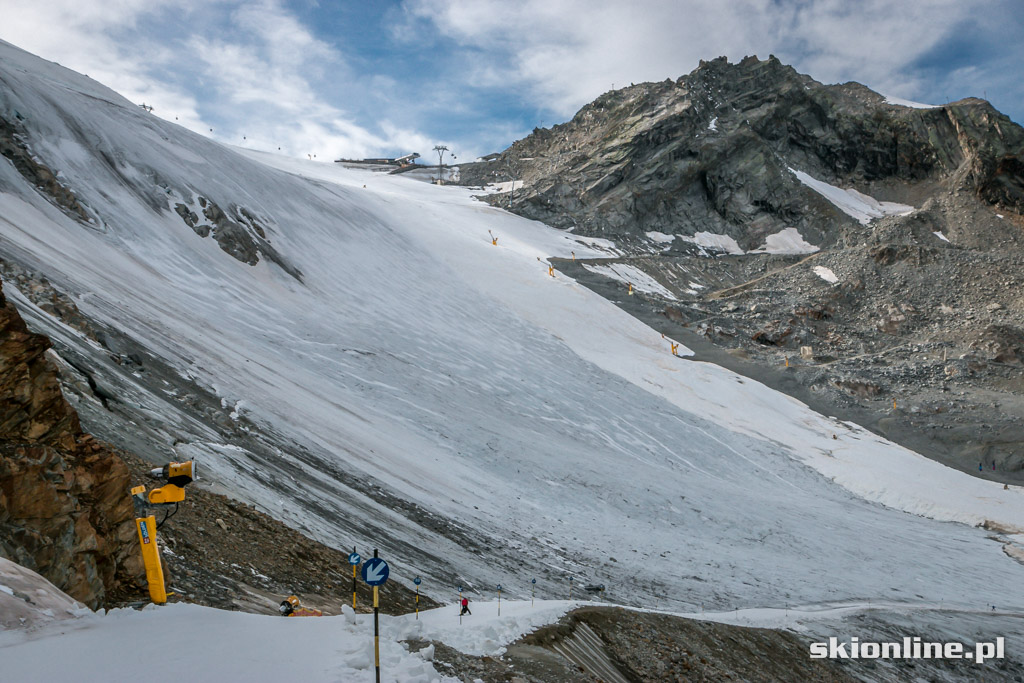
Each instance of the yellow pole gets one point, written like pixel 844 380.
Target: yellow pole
pixel 151 558
pixel 353 588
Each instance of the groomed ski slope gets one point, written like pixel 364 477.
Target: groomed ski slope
pixel 524 411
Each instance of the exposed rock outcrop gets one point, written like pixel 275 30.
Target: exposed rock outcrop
pixel 712 151
pixel 64 505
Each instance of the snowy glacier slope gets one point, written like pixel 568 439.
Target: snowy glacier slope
pixel 395 380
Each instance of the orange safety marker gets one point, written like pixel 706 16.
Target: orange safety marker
pixel 551 271
pixel 631 289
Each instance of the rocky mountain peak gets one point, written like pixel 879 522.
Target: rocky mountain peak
pixel 718 150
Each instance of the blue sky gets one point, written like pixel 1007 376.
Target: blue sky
pixel 370 78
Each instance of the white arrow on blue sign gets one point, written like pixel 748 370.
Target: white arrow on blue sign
pixel 354 558
pixel 416 580
pixel 375 571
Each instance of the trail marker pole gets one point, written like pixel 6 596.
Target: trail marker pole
pixel 375 573
pixel 417 582
pixel 460 605
pixel 353 560
pixel 376 631
pixel 533 590
pixel 570 588
pixel 499 599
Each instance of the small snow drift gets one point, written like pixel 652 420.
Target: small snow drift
pixel 631 275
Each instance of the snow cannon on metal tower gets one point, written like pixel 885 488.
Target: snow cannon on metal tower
pixel 177 476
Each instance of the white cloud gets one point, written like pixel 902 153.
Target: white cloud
pixel 245 72
pixel 566 52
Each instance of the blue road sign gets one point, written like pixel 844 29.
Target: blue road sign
pixel 499 586
pixel 375 571
pixel 533 580
pixel 416 580
pixel 354 558
pixel 460 589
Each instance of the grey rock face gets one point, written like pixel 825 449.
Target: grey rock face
pixel 711 151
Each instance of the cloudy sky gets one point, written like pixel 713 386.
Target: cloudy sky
pixel 358 78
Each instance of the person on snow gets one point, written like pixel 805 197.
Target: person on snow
pixel 465 607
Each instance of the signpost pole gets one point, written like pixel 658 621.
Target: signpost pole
pixel 499 599
pixel 533 590
pixel 375 573
pixel 376 626
pixel 460 605
pixel 570 588
pixel 354 580
pixel 417 582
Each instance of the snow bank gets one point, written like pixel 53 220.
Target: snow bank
pixel 28 601
pixel 825 274
pixel 786 241
pixel 661 237
pixel 713 241
pixel 631 275
pixel 851 202
pixel 484 632
pixel 211 645
pixel 899 101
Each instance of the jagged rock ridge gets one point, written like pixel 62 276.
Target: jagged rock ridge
pixel 712 151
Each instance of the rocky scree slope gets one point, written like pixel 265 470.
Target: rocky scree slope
pixel 912 325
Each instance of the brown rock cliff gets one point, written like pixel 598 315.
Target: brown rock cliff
pixel 64 506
